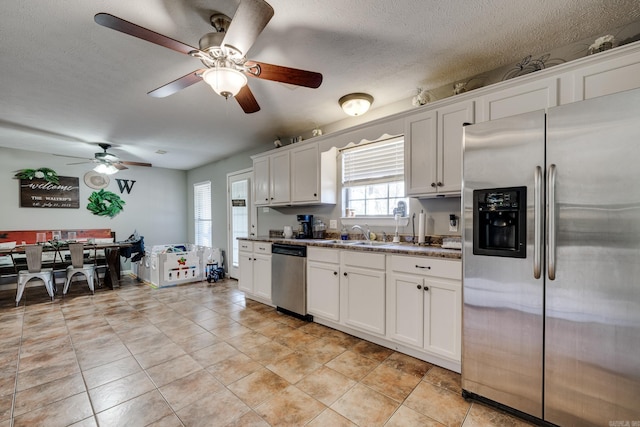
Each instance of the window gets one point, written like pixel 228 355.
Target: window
pixel 373 177
pixel 202 213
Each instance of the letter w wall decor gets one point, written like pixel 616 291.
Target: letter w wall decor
pixel 125 184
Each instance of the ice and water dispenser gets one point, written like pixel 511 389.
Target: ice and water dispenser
pixel 499 222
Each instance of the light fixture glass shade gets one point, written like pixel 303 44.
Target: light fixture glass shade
pixel 224 81
pixel 356 104
pixel 107 169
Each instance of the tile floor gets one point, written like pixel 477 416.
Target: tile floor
pixel 203 355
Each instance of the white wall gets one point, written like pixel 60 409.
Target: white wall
pixel 156 207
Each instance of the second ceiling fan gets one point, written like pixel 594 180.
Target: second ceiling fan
pixel 223 53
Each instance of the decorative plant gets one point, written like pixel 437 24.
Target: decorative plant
pixel 421 98
pixel 47 174
pixel 105 203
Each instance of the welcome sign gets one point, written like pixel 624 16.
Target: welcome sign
pixel 38 193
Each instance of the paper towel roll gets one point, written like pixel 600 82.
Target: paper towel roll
pixel 421 228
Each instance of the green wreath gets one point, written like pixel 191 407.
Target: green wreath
pixel 47 174
pixel 105 203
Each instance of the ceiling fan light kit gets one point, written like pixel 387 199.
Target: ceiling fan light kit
pixel 105 168
pixel 356 104
pixel 226 82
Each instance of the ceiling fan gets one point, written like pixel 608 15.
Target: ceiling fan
pixel 108 163
pixel 223 53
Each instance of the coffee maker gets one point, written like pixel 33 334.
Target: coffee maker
pixel 306 227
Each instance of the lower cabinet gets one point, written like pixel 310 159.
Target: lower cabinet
pixel 323 283
pixel 255 270
pixel 362 291
pixel 424 302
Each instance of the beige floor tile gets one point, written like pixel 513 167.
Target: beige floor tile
pixel 186 390
pixel 234 368
pixel 45 394
pixel 171 420
pixel 61 413
pixel 87 422
pixel 481 415
pixel 294 367
pixel 250 419
pixel 257 387
pixel 371 350
pixel 352 365
pixel 229 330
pixel 290 407
pixel 247 341
pixel 438 403
pixel 213 354
pixel 274 329
pixel 269 352
pixel 111 371
pixel 45 374
pixel 214 410
pixel 325 385
pixel 391 382
pixel 197 342
pixel 408 364
pixel 296 339
pixel 365 406
pixel 323 350
pixel 115 392
pixel 407 417
pixel 91 357
pixel 139 411
pixel 173 369
pixel 148 343
pixel 6 403
pixel 329 417
pixel 445 379
pixel 160 355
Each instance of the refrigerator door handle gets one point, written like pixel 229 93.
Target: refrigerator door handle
pixel 551 202
pixel 537 221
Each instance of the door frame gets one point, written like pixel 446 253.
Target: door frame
pixel 233 177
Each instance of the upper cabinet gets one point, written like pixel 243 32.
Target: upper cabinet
pixel 533 96
pixel 301 175
pixel 433 150
pixel 605 78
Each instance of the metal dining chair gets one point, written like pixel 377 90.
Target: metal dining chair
pixel 78 266
pixel 34 270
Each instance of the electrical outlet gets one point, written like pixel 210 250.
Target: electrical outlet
pixel 453 223
pixel 453 228
pixel 333 224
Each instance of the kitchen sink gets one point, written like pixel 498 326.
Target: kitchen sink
pixel 367 243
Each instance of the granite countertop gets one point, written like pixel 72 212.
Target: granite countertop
pixel 364 246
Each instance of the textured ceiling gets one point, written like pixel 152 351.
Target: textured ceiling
pixel 66 81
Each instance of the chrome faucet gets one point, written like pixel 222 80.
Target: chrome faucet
pixel 366 233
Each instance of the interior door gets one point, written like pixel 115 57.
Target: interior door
pixel 240 217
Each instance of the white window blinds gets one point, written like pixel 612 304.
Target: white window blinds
pixel 202 213
pixel 373 163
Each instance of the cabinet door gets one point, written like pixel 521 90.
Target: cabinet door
pixel 442 333
pixel 534 96
pixel 323 290
pixel 450 125
pixel 607 77
pixel 362 299
pixel 420 150
pixel 245 271
pixel 261 181
pixel 280 179
pixel 305 174
pixel 262 276
pixel 405 302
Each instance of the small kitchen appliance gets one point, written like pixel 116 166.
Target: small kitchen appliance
pixel 306 227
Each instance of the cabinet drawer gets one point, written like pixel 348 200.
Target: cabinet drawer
pixel 262 248
pixel 363 259
pixel 323 255
pixel 426 266
pixel 245 246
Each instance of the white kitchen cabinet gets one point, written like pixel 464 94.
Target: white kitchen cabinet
pixel 323 283
pixel 271 179
pixel 313 175
pixel 605 78
pixel 433 150
pixel 424 304
pixel 255 270
pixel 533 96
pixel 362 291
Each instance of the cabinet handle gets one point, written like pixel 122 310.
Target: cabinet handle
pixel 335 273
pixel 420 266
pixel 266 200
pixel 426 288
pixel 433 184
pixel 419 287
pixel 345 274
pixel 315 194
pixel 439 184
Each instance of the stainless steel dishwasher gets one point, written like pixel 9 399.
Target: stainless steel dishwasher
pixel 289 279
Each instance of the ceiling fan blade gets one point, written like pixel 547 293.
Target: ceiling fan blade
pixel 119 24
pixel 247 101
pixel 122 162
pixel 72 157
pixel 177 85
pixel 119 166
pixel 247 24
pixel 282 74
pixel 80 163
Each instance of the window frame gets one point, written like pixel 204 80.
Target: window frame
pixel 200 213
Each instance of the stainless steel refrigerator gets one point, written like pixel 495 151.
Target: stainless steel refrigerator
pixel 551 288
